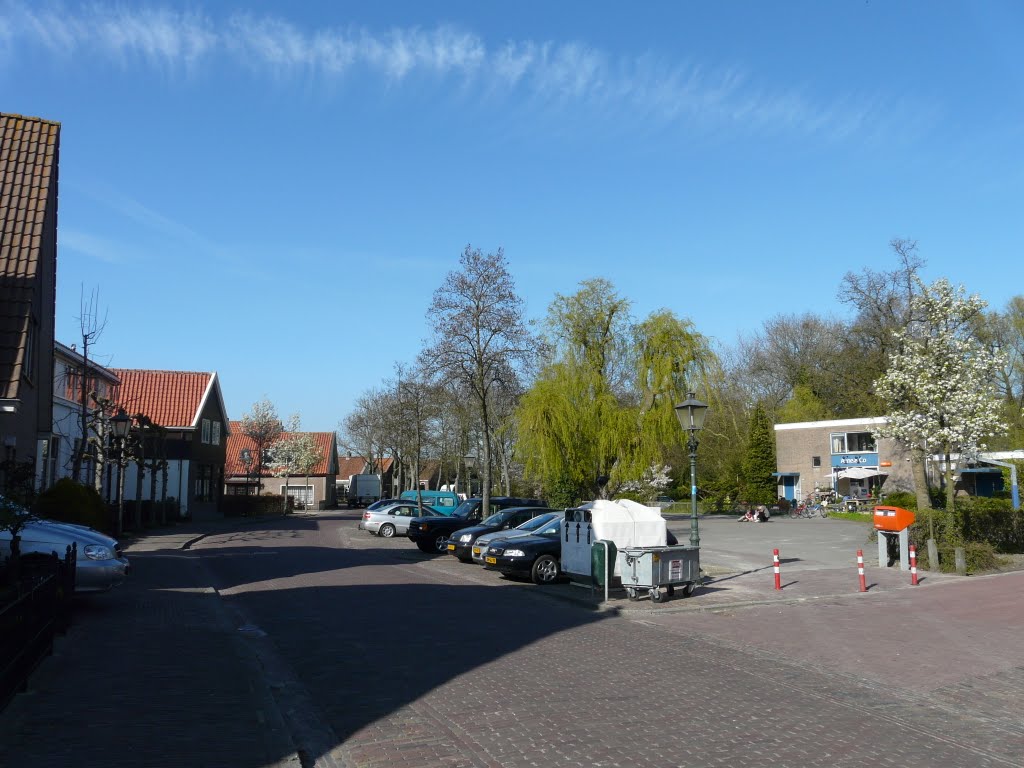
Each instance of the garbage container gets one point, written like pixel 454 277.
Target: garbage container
pixel 600 568
pixel 657 571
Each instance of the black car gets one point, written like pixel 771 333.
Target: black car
pixel 431 533
pixel 537 556
pixel 460 543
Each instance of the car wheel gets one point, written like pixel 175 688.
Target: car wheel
pixel 426 546
pixel 465 559
pixel 387 530
pixel 545 570
pixel 441 543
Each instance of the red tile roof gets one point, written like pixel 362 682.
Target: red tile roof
pixel 238 441
pixel 29 151
pixel 357 465
pixel 169 398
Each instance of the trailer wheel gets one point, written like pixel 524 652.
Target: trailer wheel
pixel 632 593
pixel 658 596
pixel 689 588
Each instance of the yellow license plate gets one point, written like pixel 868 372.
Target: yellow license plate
pixel 476 550
pixel 451 547
pixel 491 560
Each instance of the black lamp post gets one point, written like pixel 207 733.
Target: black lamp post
pixel 470 462
pixel 120 424
pixel 246 458
pixel 691 413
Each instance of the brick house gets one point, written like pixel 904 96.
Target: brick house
pixel 841 455
pixel 29 160
pixel 315 491
pixel 190 407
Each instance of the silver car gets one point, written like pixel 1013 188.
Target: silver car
pixel 393 519
pixel 526 529
pixel 99 563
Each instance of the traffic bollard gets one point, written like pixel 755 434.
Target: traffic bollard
pixel 860 570
pixel 778 573
pixel 913 566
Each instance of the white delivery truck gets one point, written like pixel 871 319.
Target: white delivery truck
pixel 363 490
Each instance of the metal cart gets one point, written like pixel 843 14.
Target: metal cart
pixel 657 571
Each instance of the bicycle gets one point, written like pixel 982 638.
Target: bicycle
pixel 809 510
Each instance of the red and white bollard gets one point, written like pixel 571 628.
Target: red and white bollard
pixel 913 566
pixel 778 572
pixel 860 570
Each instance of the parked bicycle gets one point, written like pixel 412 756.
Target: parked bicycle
pixel 809 509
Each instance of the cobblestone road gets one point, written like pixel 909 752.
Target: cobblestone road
pixel 341 649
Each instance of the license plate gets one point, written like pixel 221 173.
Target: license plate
pixel 451 547
pixel 491 560
pixel 476 550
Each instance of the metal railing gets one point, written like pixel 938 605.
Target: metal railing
pixel 36 594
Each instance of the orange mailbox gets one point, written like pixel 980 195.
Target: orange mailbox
pixel 893 519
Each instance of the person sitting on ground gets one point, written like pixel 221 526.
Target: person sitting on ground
pixel 748 516
pixel 761 514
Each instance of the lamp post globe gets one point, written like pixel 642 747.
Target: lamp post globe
pixel 691 414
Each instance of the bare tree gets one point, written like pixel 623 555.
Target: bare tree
pixel 478 333
pixel 91 327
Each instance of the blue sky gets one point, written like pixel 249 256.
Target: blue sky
pixel 274 190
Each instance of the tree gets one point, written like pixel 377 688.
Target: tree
pixel 940 383
pixel 295 453
pixel 759 487
pixel 478 334
pixel 91 329
pixel 263 427
pixel 601 412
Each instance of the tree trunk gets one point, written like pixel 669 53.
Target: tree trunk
pixel 917 458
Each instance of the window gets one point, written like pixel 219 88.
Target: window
pixel 815 461
pixel 215 435
pixel 852 442
pixel 206 431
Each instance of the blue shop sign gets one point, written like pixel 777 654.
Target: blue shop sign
pixel 855 460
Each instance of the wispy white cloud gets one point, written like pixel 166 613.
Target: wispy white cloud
pixel 571 73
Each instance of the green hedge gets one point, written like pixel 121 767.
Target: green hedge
pixel 71 502
pixel 253 506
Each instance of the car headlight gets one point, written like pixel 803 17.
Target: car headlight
pixel 466 538
pixel 514 553
pixel 97 552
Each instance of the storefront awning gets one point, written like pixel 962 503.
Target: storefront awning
pixel 858 473
pixel 785 474
pixel 980 470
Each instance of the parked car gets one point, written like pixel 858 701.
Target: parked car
pixel 446 501
pixel 483 541
pixel 394 518
pixel 383 503
pixel 663 502
pixel 460 544
pixel 431 533
pixel 99 566
pixel 536 556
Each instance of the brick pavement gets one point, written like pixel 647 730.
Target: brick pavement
pixel 631 684
pixel 150 674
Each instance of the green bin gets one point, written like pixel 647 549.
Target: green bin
pixel 597 561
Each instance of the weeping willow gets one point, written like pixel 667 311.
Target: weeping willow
pixel 580 421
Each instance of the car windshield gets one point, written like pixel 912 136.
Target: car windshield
pixel 496 519
pixel 537 522
pixel 552 529
pixel 465 509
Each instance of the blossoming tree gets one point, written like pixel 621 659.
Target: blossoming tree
pixel 940 383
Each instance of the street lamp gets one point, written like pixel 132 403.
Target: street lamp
pixel 246 458
pixel 120 424
pixel 691 413
pixel 469 461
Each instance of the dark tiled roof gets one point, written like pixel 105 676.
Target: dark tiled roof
pixel 29 150
pixel 169 398
pixel 238 441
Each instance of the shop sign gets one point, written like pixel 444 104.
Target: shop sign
pixel 855 460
